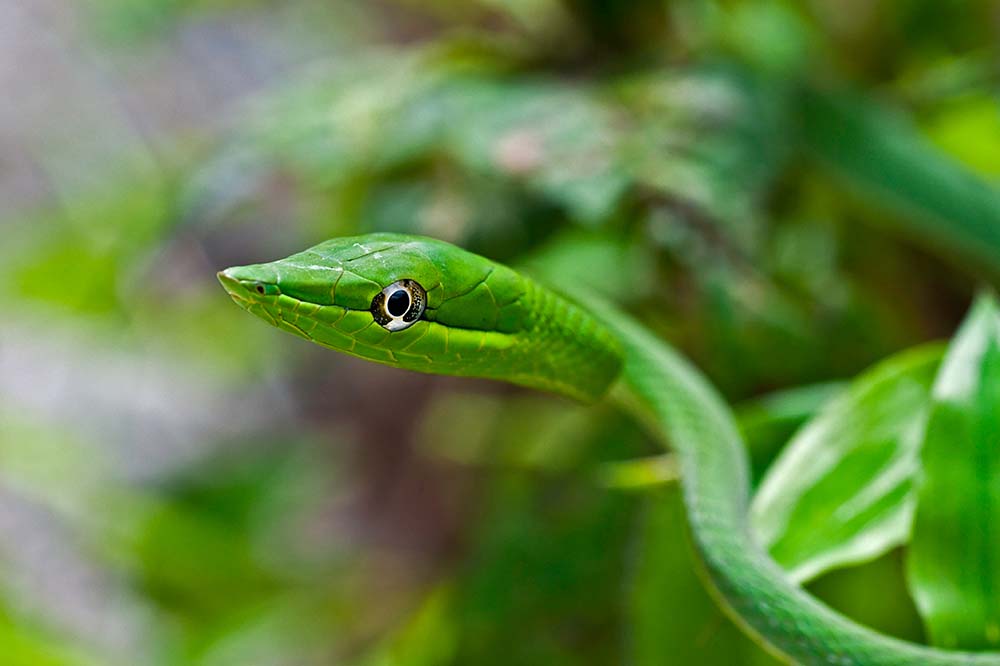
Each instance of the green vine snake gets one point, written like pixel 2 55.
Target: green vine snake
pixel 426 305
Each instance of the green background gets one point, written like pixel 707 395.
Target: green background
pixel 787 191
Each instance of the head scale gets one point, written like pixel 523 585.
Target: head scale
pixel 425 305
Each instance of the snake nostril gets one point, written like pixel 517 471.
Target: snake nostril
pixel 260 289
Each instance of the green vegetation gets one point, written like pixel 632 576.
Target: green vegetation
pixel 801 197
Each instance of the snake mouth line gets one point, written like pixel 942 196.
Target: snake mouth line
pixel 270 308
pixel 242 293
pixel 234 286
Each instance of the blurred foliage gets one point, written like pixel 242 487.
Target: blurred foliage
pixel 789 191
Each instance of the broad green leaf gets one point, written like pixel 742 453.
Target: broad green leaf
pixel 954 560
pixel 841 491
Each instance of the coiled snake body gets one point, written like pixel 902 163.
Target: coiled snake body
pixel 425 305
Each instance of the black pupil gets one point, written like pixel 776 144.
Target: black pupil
pixel 398 303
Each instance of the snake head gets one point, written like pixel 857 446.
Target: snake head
pixel 423 304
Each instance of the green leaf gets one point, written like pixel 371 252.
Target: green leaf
pixel 792 405
pixel 880 153
pixel 954 561
pixel 768 421
pixel 842 491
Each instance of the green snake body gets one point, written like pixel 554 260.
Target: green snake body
pixel 482 319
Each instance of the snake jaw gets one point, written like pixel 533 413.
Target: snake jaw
pixel 233 286
pixel 243 283
pixel 264 299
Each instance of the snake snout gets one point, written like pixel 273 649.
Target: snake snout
pixel 244 281
pixel 231 284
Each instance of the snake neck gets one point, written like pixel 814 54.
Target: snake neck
pixel 562 348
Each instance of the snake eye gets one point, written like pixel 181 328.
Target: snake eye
pixel 399 305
